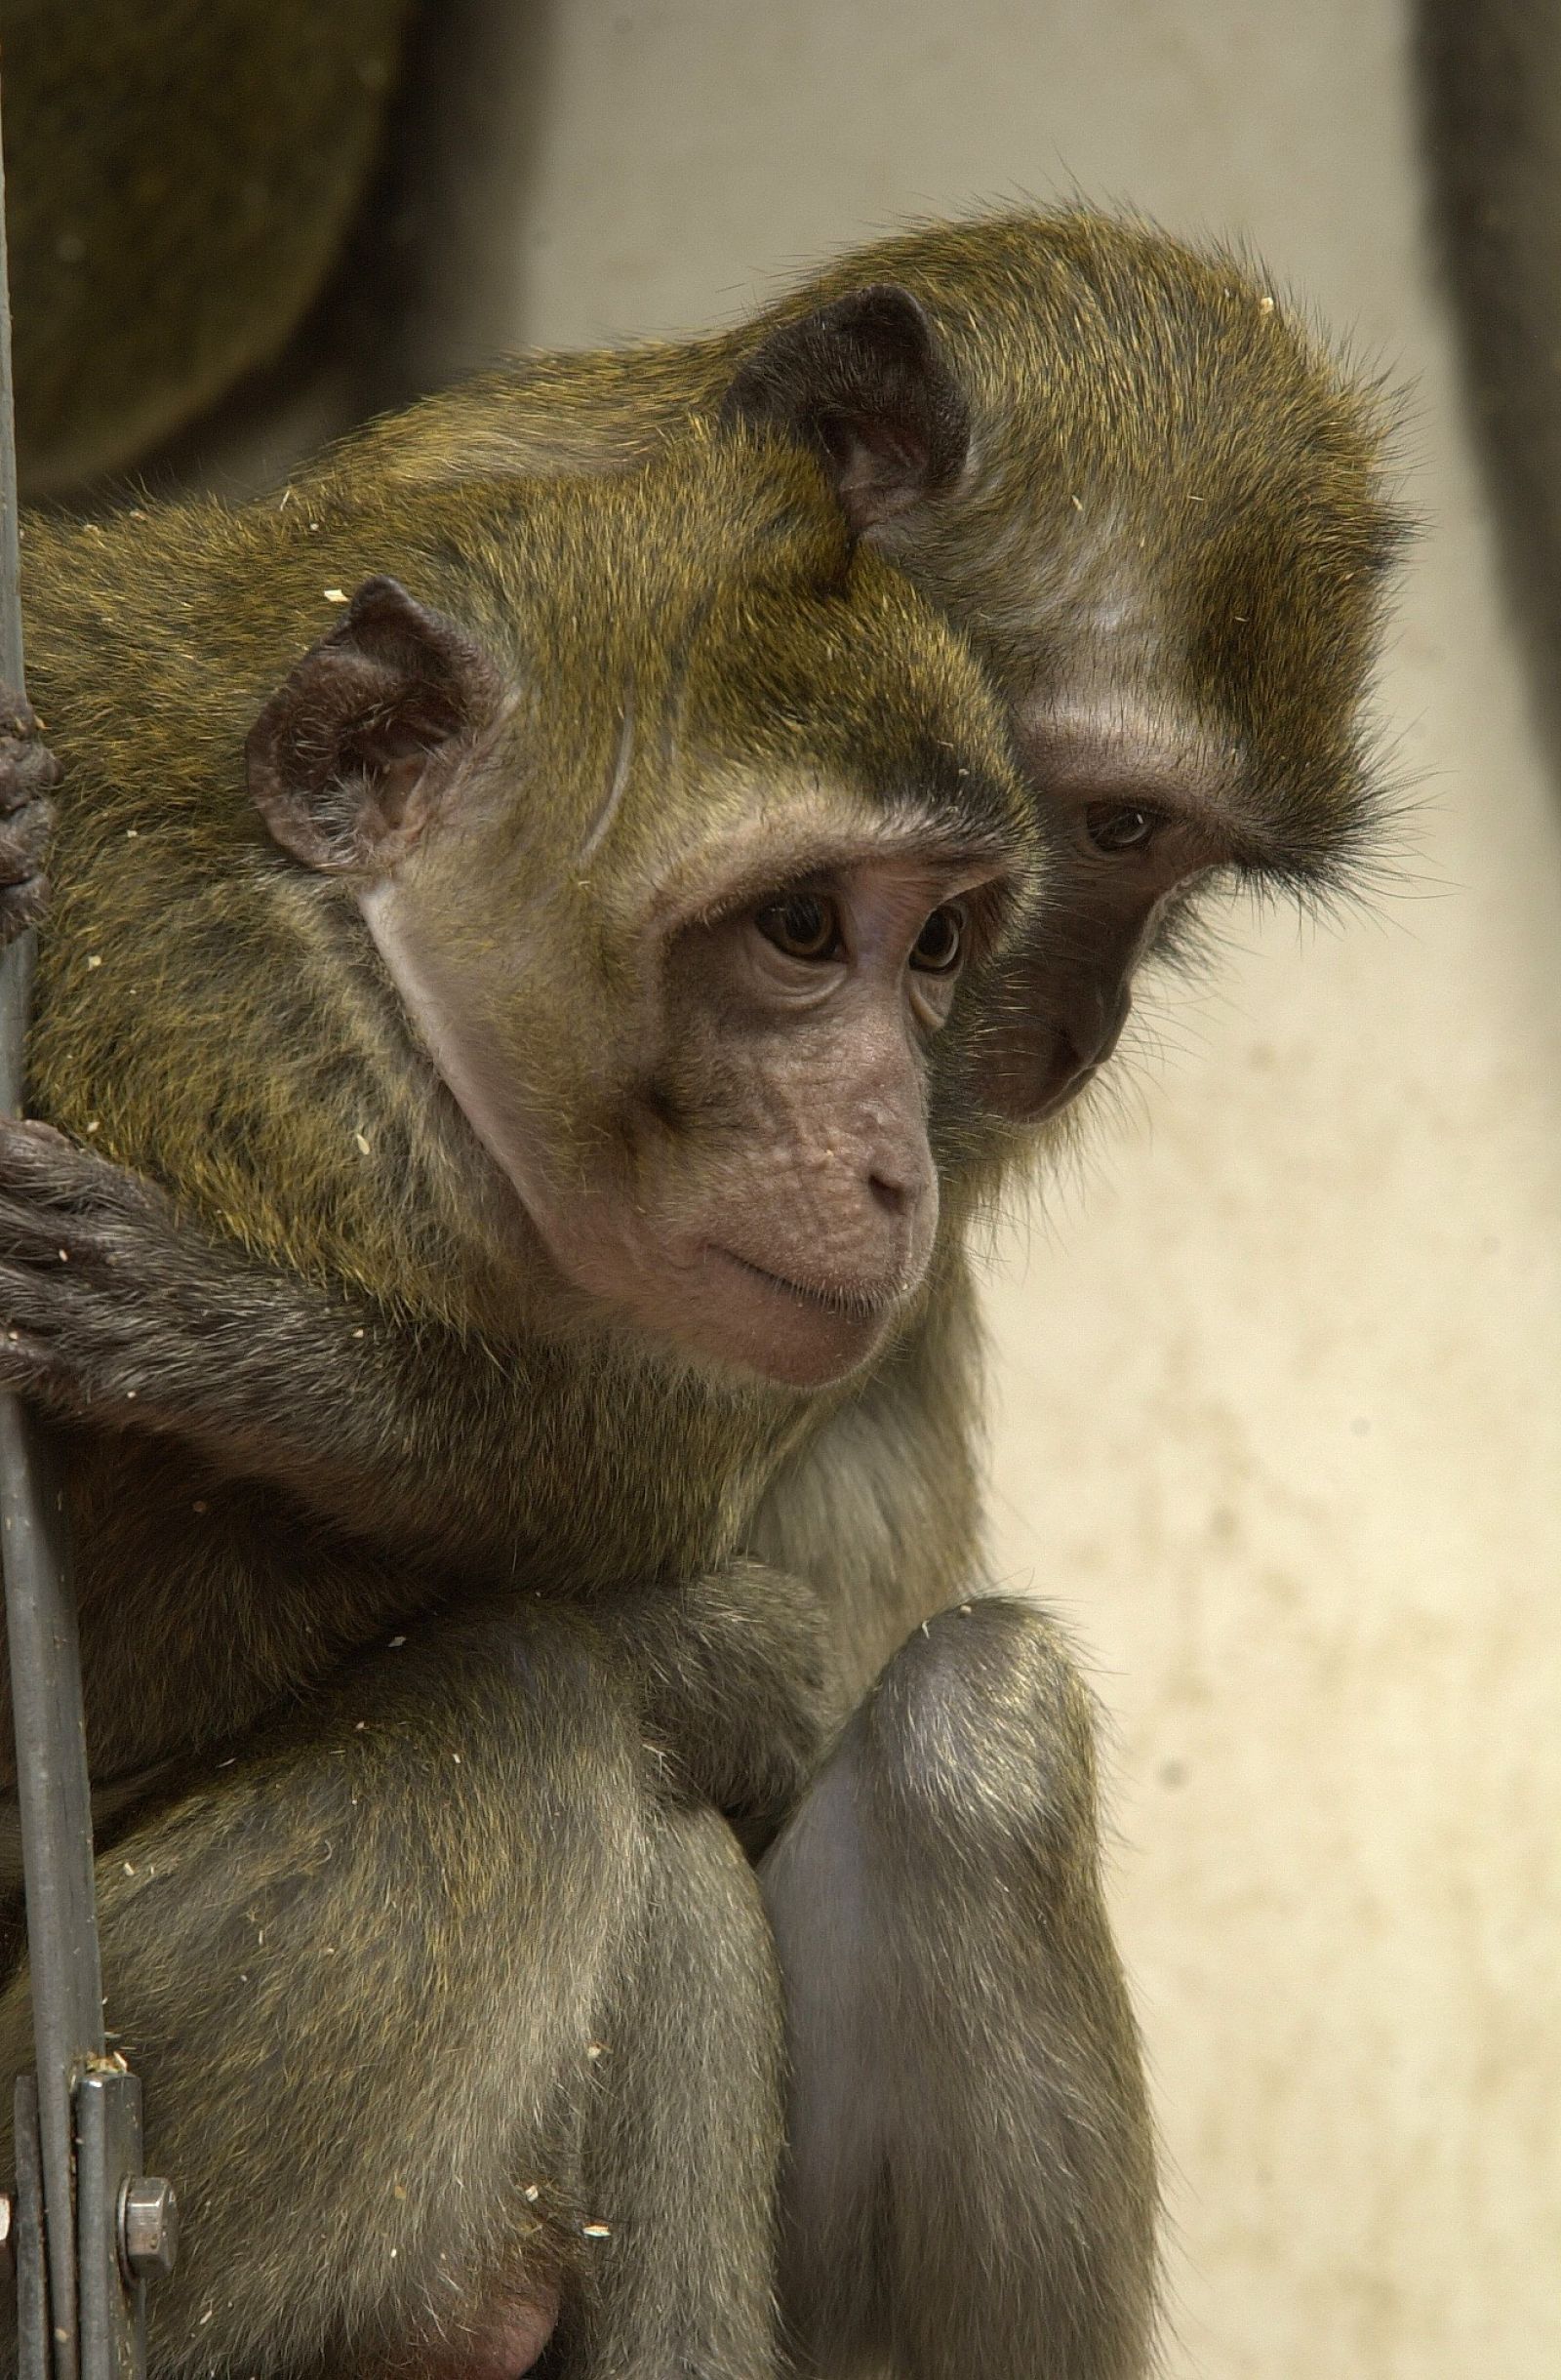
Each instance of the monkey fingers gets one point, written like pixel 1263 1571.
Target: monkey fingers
pixel 967 2091
pixel 115 1308
pixel 90 1262
pixel 28 775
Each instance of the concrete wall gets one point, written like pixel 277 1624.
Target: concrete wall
pixel 1280 1390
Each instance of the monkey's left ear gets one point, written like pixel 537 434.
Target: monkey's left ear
pixel 349 758
pixel 864 383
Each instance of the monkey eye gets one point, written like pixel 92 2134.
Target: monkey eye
pixel 1113 827
pixel 940 944
pixel 804 926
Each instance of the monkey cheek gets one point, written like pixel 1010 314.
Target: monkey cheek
pixel 802 1304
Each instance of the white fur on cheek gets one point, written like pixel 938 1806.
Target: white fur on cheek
pixel 468 1072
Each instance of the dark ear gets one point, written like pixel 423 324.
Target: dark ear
pixel 348 759
pixel 864 383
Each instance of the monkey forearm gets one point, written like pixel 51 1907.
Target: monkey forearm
pixel 120 1315
pixel 118 1312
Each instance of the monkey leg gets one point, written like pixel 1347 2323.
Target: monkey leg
pixel 682 2164
pixel 970 2186
pixel 362 1971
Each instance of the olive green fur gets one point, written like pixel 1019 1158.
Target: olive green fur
pixel 1140 407
pixel 180 181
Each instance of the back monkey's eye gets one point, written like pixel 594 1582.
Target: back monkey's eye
pixel 940 944
pixel 1110 829
pixel 806 926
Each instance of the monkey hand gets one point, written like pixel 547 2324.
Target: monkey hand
pixel 106 1311
pixel 739 1687
pixel 28 775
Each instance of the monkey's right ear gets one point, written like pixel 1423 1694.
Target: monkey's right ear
pixel 864 383
pixel 349 758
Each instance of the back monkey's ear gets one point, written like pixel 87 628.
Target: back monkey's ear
pixel 864 382
pixel 348 759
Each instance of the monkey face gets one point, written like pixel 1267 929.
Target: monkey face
pixel 1157 510
pixel 728 1148
pixel 691 1025
pixel 785 1195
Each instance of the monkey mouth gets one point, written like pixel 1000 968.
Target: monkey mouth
pixel 850 1302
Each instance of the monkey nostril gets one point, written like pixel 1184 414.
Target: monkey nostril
pixel 893 1196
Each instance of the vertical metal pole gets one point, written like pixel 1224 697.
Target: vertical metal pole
pixel 52 1790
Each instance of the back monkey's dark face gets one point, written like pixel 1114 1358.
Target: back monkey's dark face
pixel 1157 510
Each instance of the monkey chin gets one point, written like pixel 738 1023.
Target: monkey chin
pixel 799 1334
pixel 710 1306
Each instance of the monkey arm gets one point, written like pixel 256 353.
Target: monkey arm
pixel 116 1311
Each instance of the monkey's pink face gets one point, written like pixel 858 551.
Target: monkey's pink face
pixel 769 1200
pixel 789 1198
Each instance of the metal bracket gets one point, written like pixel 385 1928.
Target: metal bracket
pixel 126 2232
pixel 110 2297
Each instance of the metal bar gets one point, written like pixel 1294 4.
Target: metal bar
pixel 112 2310
pixel 26 2234
pixel 52 1784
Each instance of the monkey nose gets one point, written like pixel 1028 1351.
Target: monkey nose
pixel 1086 1034
pixel 896 1167
pixel 895 1197
pixel 901 1199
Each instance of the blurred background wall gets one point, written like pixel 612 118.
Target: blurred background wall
pixel 1280 1373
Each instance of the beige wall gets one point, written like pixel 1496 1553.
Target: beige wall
pixel 1281 1380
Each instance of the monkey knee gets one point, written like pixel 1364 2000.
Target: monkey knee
pixel 982 1732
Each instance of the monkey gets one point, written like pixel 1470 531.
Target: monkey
pixel 1228 689
pixel 1489 83
pixel 627 911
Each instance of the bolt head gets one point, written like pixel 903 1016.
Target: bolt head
pixel 148 2228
